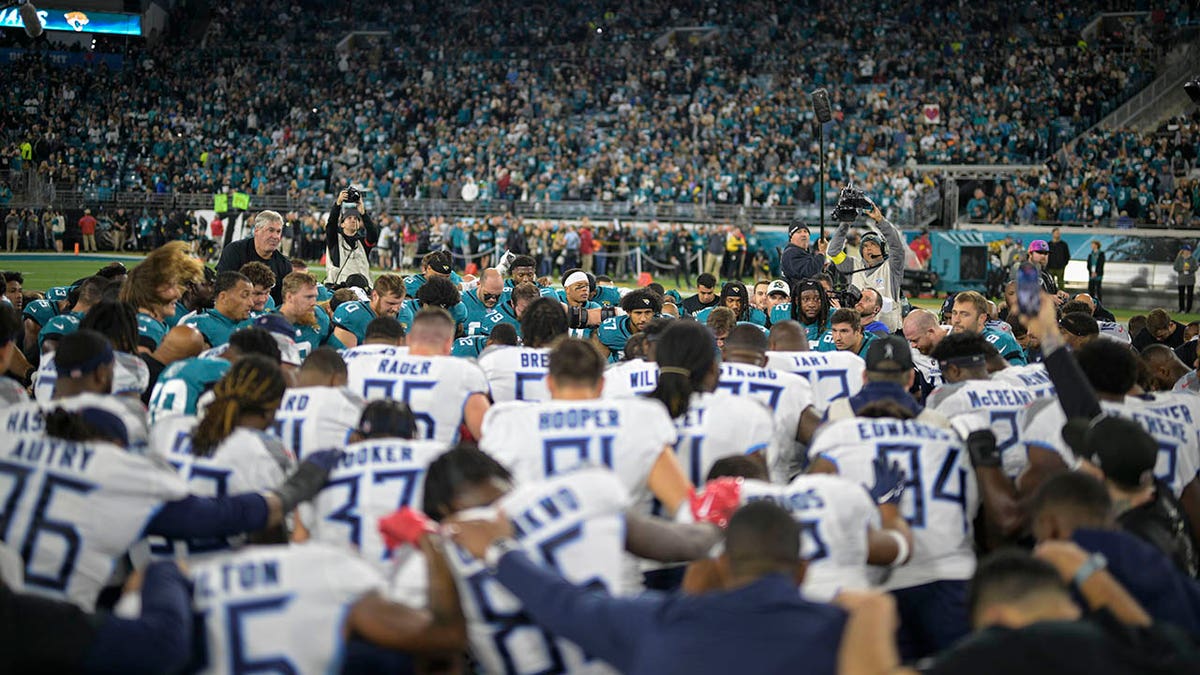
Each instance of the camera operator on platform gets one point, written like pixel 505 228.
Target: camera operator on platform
pixel 876 269
pixel 349 236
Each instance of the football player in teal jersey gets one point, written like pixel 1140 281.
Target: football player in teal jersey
pixel 350 319
pixel 434 264
pixel 154 286
pixel 735 296
pixel 846 334
pixel 640 307
pixel 578 289
pixel 480 304
pixel 39 312
pixel 300 308
pixel 264 281
pixel 86 295
pixel 809 306
pixel 235 297
pixel 970 315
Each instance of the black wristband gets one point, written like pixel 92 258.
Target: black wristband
pixel 607 313
pixel 981 446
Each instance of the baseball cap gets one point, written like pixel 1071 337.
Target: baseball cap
pixel 285 336
pixel 1039 246
pixel 440 262
pixel 1187 247
pixel 796 228
pixel 1120 447
pixel 735 289
pixel 58 293
pixel 778 286
pixel 889 354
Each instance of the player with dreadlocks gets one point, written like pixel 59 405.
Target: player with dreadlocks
pixel 810 306
pixel 118 322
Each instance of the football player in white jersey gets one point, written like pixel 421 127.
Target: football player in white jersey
pixel 77 502
pixel 443 392
pixel 289 609
pixel 923 332
pixel 519 373
pixel 940 503
pixel 843 530
pixel 319 413
pixel 970 396
pixel 711 422
pixel 788 396
pixel 637 374
pixel 382 470
pixel 634 436
pixel 118 322
pixel 85 366
pixel 1164 365
pixel 385 338
pixel 575 523
pixel 229 451
pixel 833 375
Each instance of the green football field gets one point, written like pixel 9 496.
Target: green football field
pixel 45 270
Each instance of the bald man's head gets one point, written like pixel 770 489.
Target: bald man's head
pixel 1164 365
pixel 788 336
pixel 181 342
pixel 922 330
pixel 491 287
pixel 1087 300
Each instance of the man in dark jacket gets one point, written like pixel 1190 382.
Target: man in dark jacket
pixel 263 247
pixel 797 260
pixel 1060 255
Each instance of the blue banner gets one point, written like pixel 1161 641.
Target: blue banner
pixel 89 58
pixel 76 21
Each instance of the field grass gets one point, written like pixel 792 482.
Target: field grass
pixel 43 270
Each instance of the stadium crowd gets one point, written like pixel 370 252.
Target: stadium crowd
pixel 504 474
pixel 614 106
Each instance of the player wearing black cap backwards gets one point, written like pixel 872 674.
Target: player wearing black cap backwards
pixel 736 297
pixel 640 307
pixel 889 376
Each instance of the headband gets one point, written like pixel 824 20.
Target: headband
pixel 103 357
pixel 575 278
pixel 672 370
pixel 964 361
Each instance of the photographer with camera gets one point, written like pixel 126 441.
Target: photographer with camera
pixel 876 269
pixel 349 236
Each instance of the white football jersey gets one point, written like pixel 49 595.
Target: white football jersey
pixel 362 360
pixel 833 375
pixel 316 418
pixel 941 498
pixel 1173 419
pixel 538 440
pixel 835 515
pixel 71 509
pixel 928 369
pixel 435 387
pixel 1032 377
pixel 786 394
pixel 278 608
pixel 130 376
pixel 247 461
pixel 517 373
pixel 718 425
pixel 993 404
pixel 373 479
pixel 27 416
pixel 626 379
pixel 573 524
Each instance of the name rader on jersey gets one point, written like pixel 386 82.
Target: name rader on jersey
pixel 390 367
pixel 545 511
pixel 572 419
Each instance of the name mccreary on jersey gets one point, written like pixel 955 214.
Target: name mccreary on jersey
pixel 546 510
pixel 600 419
pixel 909 428
pixel 1004 397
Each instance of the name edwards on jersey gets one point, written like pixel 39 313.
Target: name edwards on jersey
pixel 882 428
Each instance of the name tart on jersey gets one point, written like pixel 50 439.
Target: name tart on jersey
pixel 998 397
pixel 575 418
pixel 233 577
pixel 792 501
pixel 54 453
pixel 885 429
pixel 545 511
pixel 390 367
pixel 376 454
pixel 25 421
pixel 533 360
pixel 810 361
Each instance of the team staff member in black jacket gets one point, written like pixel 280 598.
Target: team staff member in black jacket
pixel 350 234
pixel 263 247
pixel 797 260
